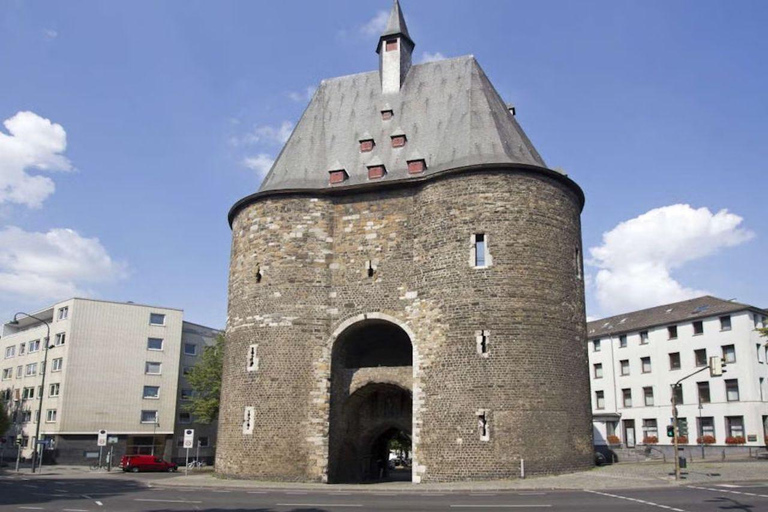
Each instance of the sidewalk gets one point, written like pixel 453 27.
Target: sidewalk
pixel 618 476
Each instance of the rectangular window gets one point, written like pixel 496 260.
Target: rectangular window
pixel 149 417
pixel 186 370
pixel 10 351
pixel 732 390
pixel 28 393
pixel 391 45
pixel 650 429
pixel 483 424
pixel 248 420
pixel 626 395
pixel 698 327
pixel 253 360
pixel 734 425
pixel 729 354
pixel 623 341
pixel 596 346
pixel 759 353
pixel 8 373
pixel 599 399
pixel 151 368
pixel 646 364
pixel 648 396
pixel 31 370
pixel 706 426
pixel 154 344
pixel 151 392
pixel 63 313
pixel 26 416
pixel 34 346
pixel 678 393
pixel 19 371
pixel 56 364
pixel 186 394
pixel 156 319
pixel 624 366
pixel 761 385
pixel 481 341
pixel 60 339
pixel 53 389
pixel 203 442
pixel 725 323
pixel 701 357
pixel 185 417
pixel 190 349
pixel 598 368
pixel 50 416
pixel 703 388
pixel 672 332
pixel 644 337
pixel 22 348
pixel 674 361
pixel 479 250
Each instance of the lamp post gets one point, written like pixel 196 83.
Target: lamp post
pixel 42 385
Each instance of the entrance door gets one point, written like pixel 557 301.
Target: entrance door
pixel 629 433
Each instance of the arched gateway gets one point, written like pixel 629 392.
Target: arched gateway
pixel 371 399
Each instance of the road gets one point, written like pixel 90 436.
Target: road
pixel 124 493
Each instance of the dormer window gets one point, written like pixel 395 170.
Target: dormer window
pixel 398 141
pixel 338 176
pixel 386 115
pixel 366 146
pixel 391 45
pixel 417 166
pixel 376 171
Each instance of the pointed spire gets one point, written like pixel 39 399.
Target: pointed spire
pixel 395 50
pixel 396 23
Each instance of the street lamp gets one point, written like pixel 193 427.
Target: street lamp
pixel 42 386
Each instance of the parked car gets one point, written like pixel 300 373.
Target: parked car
pixel 136 463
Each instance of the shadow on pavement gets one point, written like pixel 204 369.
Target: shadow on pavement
pixel 731 504
pixel 20 490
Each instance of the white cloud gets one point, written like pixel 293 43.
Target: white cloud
pixel 301 97
pixel 637 257
pixel 274 135
pixel 260 163
pixel 50 33
pixel 32 143
pixel 431 57
pixel 376 25
pixel 53 265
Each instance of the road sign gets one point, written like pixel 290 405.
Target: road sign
pixel 111 439
pixel 189 438
pixel 102 439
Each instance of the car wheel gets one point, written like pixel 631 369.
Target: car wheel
pixel 135 470
pixel 171 470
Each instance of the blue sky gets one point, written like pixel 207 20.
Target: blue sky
pixel 145 121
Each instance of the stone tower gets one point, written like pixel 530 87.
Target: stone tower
pixel 409 266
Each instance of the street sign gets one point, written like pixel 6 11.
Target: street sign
pixel 111 439
pixel 102 439
pixel 189 438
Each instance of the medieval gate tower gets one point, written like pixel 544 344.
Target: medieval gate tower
pixel 409 265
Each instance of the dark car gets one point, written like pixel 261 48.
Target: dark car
pixel 136 463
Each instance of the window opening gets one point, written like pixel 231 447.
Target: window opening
pixel 482 423
pixel 482 338
pixel 248 421
pixel 253 361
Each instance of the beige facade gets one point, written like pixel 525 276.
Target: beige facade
pixel 110 365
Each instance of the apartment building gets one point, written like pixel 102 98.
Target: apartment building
pixel 636 358
pixel 109 365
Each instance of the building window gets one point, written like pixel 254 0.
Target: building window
pixel 149 417
pixel 151 392
pixel 626 395
pixel 577 261
pixel 376 171
pixel 156 319
pixel 596 346
pixel 203 442
pixel 154 344
pixel 186 394
pixel 677 391
pixel 417 166
pixel 674 361
pixel 53 389
pixel 483 426
pixel 706 426
pixel 703 388
pixel 151 368
pixel 623 341
pixel 650 429
pixel 698 327
pixel 31 370
pixel 759 320
pixel 624 367
pixel 180 442
pixel 186 370
pixel 672 332
pixel 26 416
pixel 10 351
pixel 56 364
pixel 337 176
pixel 248 420
pixel 190 349
pixel 22 348
pixel 725 323
pixel 185 417
pixel 732 390
pixel 386 115
pixel 398 141
pixel 34 346
pixel 391 45
pixel 599 399
pixel 60 339
pixel 701 357
pixel 481 258
pixel 8 373
pixel 63 313
pixel 644 337
pixel 645 362
pixel 761 385
pixel 759 352
pixel 598 370
pixel 482 339
pixel 734 425
pixel 253 360
pixel 648 396
pixel 366 145
pixel 50 416
pixel 729 354
pixel 19 371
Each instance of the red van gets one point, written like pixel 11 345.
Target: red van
pixel 136 463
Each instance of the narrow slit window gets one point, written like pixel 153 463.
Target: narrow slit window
pixel 482 338
pixel 248 421
pixel 578 263
pixel 259 273
pixel 253 360
pixel 480 249
pixel 483 426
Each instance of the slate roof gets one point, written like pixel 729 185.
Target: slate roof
pixel 668 314
pixel 449 110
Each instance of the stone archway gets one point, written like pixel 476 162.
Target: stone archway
pixel 371 398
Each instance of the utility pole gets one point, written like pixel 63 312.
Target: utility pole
pixel 675 430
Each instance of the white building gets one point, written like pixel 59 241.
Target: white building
pixel 636 358
pixel 110 365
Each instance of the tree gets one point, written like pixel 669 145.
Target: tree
pixel 205 379
pixel 763 331
pixel 5 419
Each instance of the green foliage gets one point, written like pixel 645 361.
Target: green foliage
pixel 205 380
pixel 763 331
pixel 5 419
pixel 400 444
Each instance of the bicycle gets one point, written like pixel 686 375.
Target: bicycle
pixel 196 464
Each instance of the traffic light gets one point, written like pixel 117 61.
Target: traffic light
pixel 670 431
pixel 19 440
pixel 716 366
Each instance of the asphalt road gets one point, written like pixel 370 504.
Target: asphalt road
pixel 129 494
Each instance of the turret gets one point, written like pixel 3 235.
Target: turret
pixel 395 50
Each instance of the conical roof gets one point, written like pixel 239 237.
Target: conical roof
pixel 396 23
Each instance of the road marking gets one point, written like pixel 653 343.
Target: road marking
pixel 74 510
pixel 482 494
pixel 257 492
pixel 99 503
pixel 221 491
pixel 296 493
pixel 501 506
pixel 318 505
pixel 650 503
pixel 166 501
pixel 729 492
pixel 31 508
pixel 729 485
